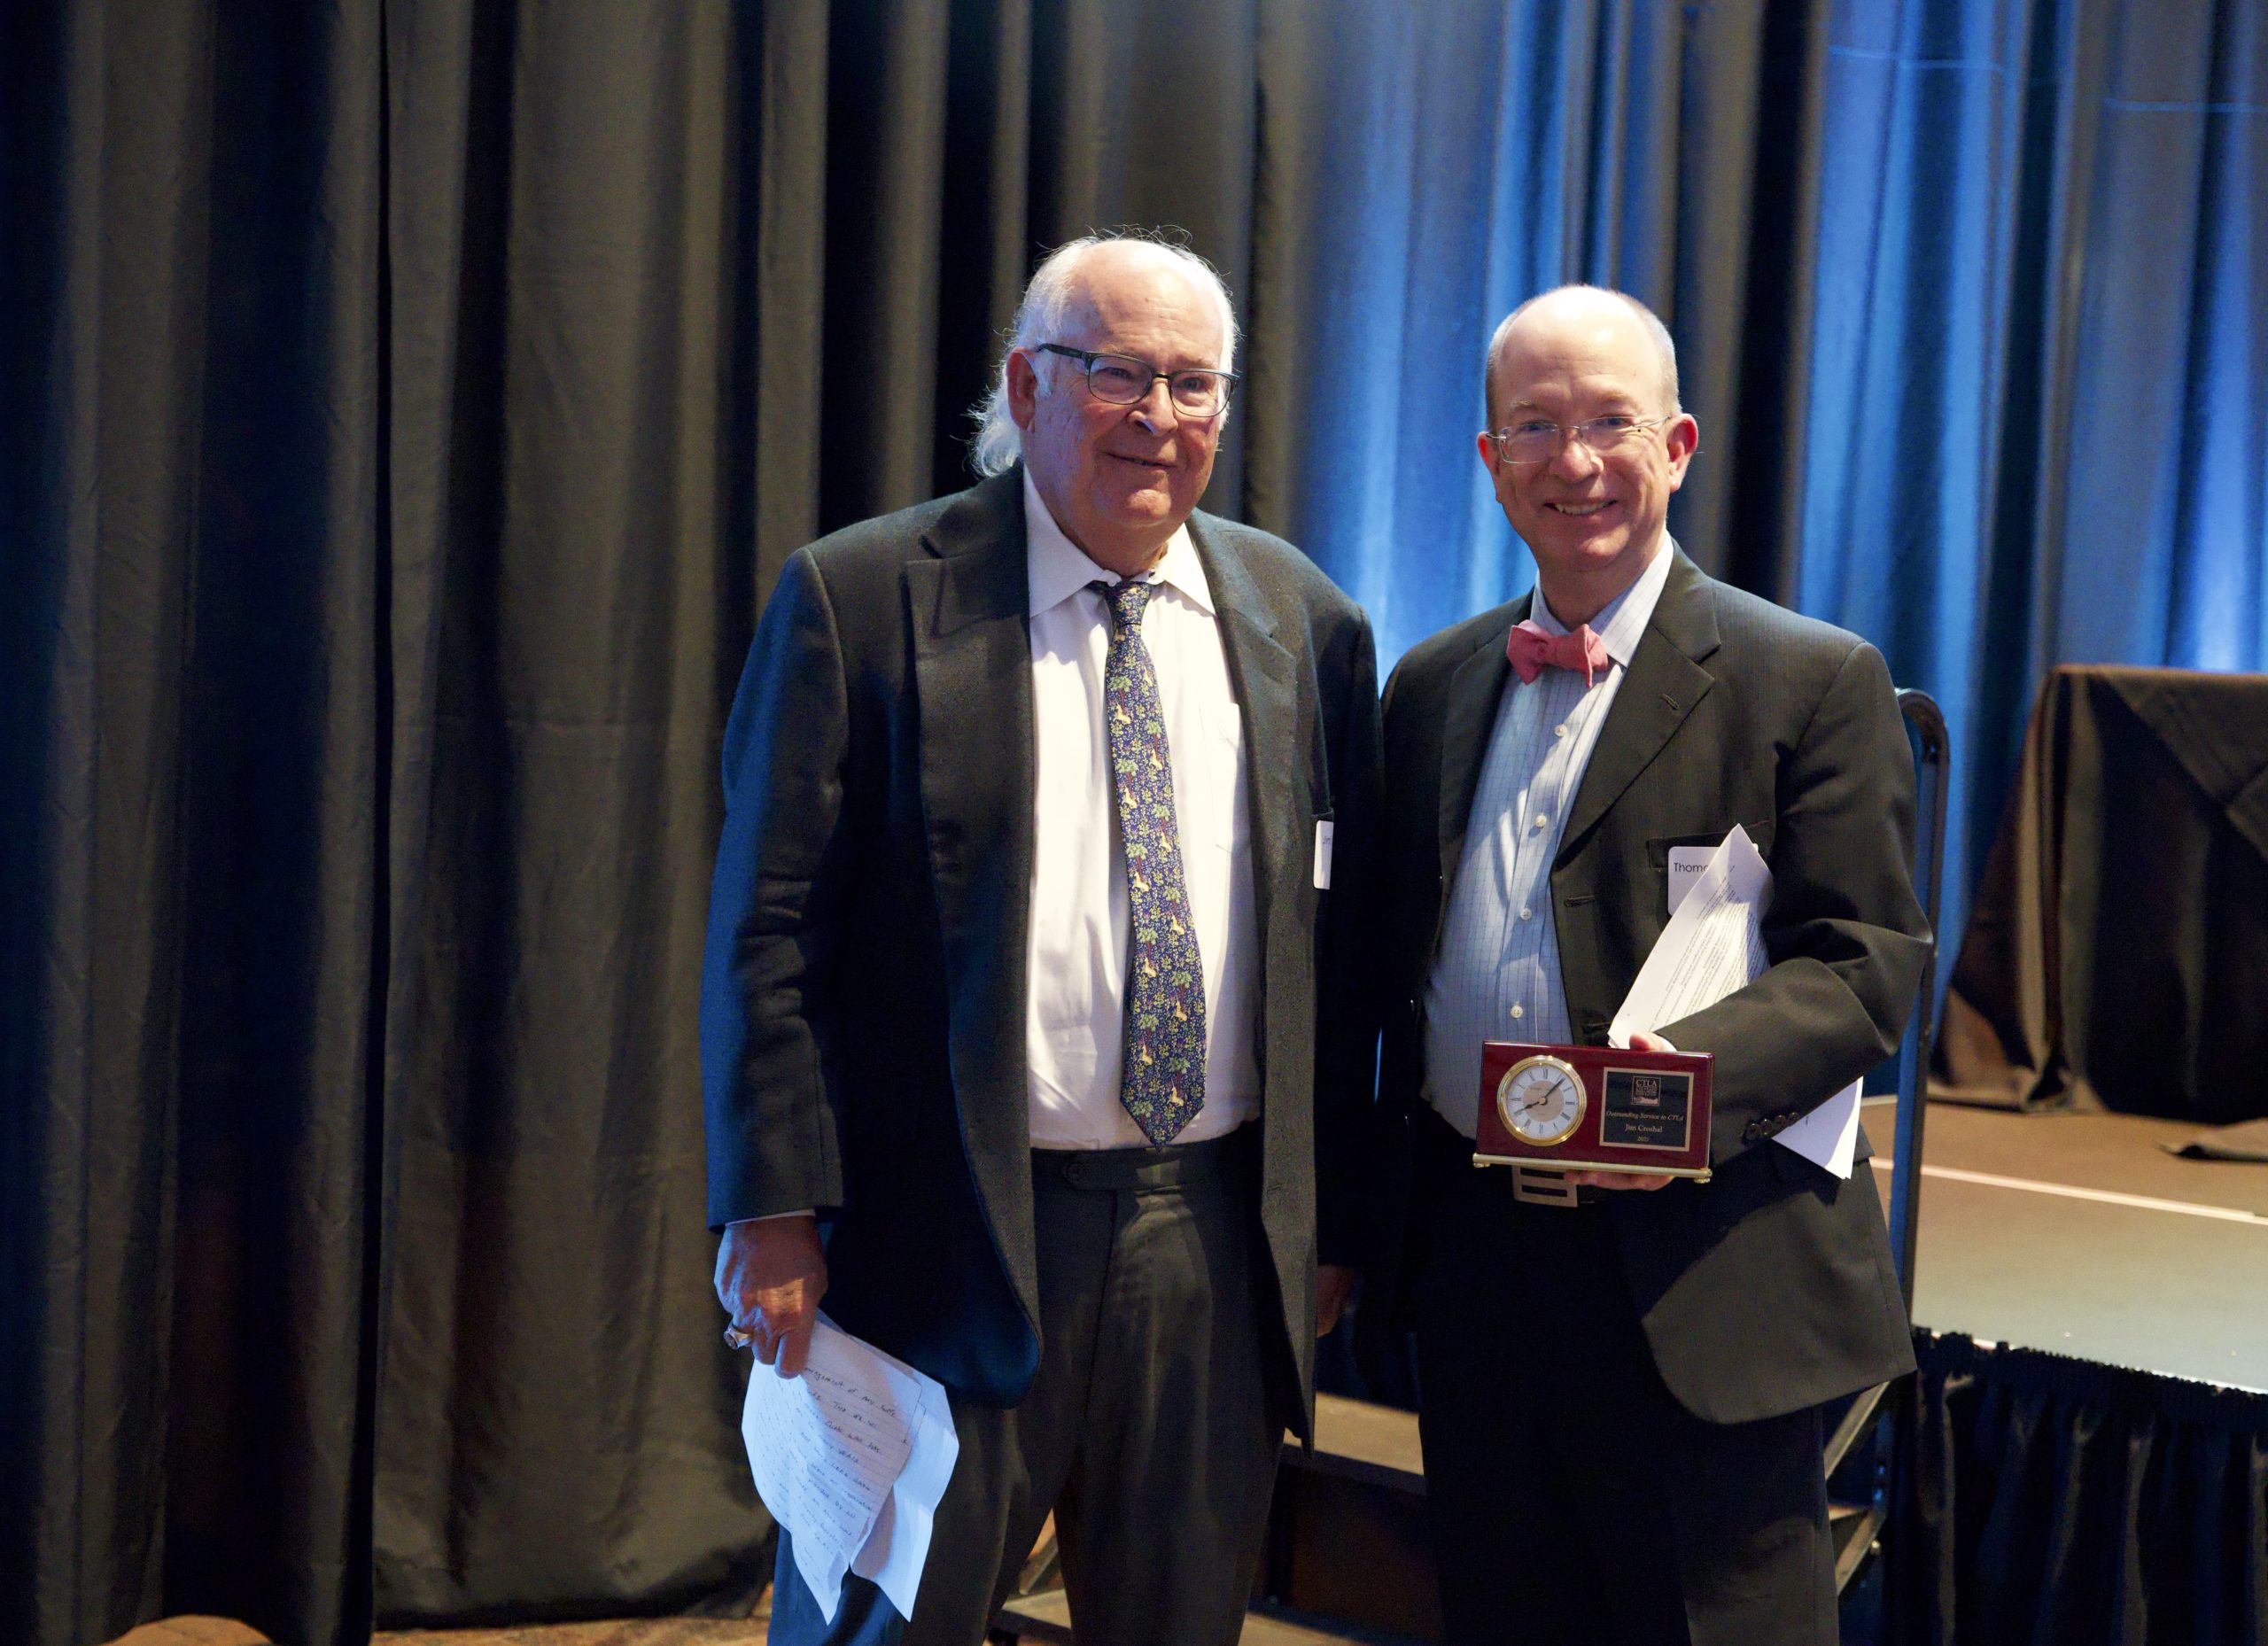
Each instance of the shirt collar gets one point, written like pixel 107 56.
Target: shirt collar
pixel 1055 568
pixel 1621 623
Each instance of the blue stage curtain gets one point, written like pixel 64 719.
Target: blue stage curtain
pixel 2003 259
pixel 2037 430
pixel 1423 173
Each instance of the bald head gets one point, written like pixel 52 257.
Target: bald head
pixel 1127 264
pixel 1582 387
pixel 1608 319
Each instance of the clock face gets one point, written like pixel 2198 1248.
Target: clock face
pixel 1540 1100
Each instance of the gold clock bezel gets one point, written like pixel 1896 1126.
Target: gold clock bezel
pixel 1504 1092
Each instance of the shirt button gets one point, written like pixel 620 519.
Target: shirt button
pixel 1539 819
pixel 1526 914
pixel 1518 1011
pixel 1559 731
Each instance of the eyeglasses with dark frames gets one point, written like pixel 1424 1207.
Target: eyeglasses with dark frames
pixel 1124 380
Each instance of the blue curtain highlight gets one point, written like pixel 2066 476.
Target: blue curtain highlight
pixel 2039 413
pixel 2031 420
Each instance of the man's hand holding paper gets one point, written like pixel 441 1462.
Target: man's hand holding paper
pixel 852 1456
pixel 771 1275
pixel 1713 946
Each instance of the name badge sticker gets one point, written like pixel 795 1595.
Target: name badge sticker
pixel 1685 866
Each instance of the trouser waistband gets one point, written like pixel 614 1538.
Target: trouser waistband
pixel 1230 1158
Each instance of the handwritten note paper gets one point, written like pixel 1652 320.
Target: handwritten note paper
pixel 899 1543
pixel 851 1458
pixel 1713 945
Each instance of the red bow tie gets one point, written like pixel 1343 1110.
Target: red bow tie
pixel 1531 650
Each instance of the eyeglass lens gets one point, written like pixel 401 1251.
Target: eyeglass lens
pixel 1122 380
pixel 1537 441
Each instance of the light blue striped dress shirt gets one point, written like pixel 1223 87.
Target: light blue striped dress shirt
pixel 1496 974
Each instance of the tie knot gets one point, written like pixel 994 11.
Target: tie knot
pixel 1127 600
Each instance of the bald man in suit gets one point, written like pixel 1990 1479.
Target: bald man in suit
pixel 1621 1375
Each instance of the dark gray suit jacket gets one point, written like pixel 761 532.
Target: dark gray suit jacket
pixel 863 1003
pixel 1770 1287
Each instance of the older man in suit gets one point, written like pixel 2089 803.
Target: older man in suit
pixel 1621 1375
pixel 1031 1033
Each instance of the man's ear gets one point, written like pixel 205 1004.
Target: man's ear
pixel 1023 389
pixel 1486 446
pixel 1682 438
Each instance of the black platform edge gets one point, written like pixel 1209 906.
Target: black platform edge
pixel 2232 1407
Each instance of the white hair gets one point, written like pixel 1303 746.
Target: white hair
pixel 1663 345
pixel 997 442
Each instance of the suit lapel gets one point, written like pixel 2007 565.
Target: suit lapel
pixel 966 613
pixel 1264 676
pixel 1469 715
pixel 1665 682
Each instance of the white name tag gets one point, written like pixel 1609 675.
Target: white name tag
pixel 1685 866
pixel 1323 855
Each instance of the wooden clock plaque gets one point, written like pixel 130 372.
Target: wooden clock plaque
pixel 1594 1108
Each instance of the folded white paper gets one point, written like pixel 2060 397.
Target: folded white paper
pixel 1829 1136
pixel 1713 945
pixel 852 1456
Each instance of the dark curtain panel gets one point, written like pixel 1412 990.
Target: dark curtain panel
pixel 2044 1500
pixel 379 473
pixel 2117 953
pixel 554 1416
pixel 194 807
pixel 408 405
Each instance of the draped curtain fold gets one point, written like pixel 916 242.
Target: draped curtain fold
pixel 1428 175
pixel 2040 1498
pixel 409 404
pixel 189 459
pixel 2038 409
pixel 554 1415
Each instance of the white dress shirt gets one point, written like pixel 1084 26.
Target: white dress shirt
pixel 1496 974
pixel 1074 1021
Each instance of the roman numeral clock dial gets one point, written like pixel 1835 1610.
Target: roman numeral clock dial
pixel 1540 1100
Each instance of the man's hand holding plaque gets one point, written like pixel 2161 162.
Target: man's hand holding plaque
pixel 1608 1117
pixel 1625 1180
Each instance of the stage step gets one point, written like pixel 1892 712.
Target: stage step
pixel 1348 1548
pixel 1347 1557
pixel 1347 1538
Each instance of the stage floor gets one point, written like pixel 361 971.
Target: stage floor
pixel 2078 1234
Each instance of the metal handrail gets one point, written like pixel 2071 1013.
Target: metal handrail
pixel 1875 1409
pixel 1927 723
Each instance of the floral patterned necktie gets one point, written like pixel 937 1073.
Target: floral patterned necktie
pixel 1162 1081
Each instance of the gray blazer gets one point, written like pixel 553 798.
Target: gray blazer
pixel 863 997
pixel 1771 1287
